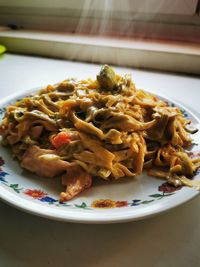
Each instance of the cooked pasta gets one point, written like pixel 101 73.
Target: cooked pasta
pixel 102 128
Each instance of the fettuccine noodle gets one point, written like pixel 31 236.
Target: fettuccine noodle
pixel 99 128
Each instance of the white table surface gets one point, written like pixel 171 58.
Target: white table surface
pixel 170 239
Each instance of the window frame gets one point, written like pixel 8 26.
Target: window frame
pixel 98 18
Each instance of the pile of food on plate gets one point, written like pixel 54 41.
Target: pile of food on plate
pixel 102 128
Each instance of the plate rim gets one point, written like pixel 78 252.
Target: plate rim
pixel 84 217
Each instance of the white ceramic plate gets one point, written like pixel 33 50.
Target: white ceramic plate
pixel 106 202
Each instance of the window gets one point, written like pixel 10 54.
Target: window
pixel 159 34
pixel 165 19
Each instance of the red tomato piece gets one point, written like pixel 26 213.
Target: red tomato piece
pixel 61 139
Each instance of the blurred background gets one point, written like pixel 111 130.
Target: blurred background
pixel 145 33
pixel 157 34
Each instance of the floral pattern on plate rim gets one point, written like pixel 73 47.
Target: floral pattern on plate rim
pixel 164 190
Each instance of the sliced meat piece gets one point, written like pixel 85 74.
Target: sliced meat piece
pixel 43 162
pixel 36 131
pixel 76 180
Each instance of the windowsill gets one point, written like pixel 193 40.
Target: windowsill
pixel 146 53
